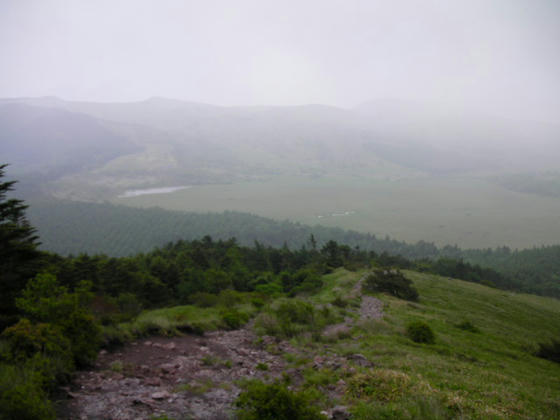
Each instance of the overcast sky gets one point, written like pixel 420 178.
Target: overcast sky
pixel 500 56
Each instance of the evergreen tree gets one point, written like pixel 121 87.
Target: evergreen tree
pixel 19 256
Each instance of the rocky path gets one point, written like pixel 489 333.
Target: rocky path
pixel 183 377
pixel 195 377
pixel 370 308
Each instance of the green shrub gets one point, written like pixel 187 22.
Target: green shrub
pixel 295 316
pixel 418 408
pixel 271 289
pixel 129 306
pixel 390 281
pixel 204 300
pixel 468 326
pixel 257 302
pixel 550 351
pixel 229 298
pixel 42 347
pixel 233 319
pixel 43 300
pixel 340 302
pixel 379 384
pixel 22 396
pixel 266 323
pixel 262 366
pixel 24 339
pixel 85 337
pixel 274 402
pixel 420 332
pixel 305 281
pixel 296 310
pixel 114 336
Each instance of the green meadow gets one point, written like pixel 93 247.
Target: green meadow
pixel 469 212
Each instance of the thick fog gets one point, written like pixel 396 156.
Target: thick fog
pixel 500 57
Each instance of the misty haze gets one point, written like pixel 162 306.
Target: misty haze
pixel 215 170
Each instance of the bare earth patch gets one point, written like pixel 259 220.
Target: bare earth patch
pixel 183 377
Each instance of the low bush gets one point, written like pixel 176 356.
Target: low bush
pixel 229 298
pixel 114 336
pixel 390 281
pixel 257 302
pixel 295 316
pixel 42 347
pixel 467 326
pixel 420 332
pixel 379 384
pixel 550 351
pixel 203 299
pixel 292 317
pixel 262 401
pixel 84 335
pixel 340 302
pixel 267 324
pixel 233 319
pixel 296 310
pixel 45 301
pixel 22 396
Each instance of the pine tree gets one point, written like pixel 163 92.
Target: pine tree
pixel 19 256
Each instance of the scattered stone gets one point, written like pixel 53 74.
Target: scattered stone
pixel 169 346
pixel 340 412
pixel 167 367
pixel 360 360
pixel 147 343
pixel 153 381
pixel 161 395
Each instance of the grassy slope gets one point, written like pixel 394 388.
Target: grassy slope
pixel 489 374
pixel 486 374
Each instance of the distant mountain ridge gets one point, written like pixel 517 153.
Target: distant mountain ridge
pixel 97 150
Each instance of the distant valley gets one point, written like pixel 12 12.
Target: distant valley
pixel 396 169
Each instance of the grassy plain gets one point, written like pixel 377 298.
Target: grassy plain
pixel 469 212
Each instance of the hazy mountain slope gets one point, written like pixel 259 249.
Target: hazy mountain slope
pixel 180 142
pixel 55 142
pixel 465 138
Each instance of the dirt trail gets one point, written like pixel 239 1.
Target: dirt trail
pixel 195 376
pixel 183 377
pixel 370 308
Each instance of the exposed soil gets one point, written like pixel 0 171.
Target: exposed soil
pixel 183 377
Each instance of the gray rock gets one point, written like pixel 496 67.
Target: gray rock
pixel 160 395
pixel 340 412
pixel 360 360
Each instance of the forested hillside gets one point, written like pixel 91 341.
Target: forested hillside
pixel 68 227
